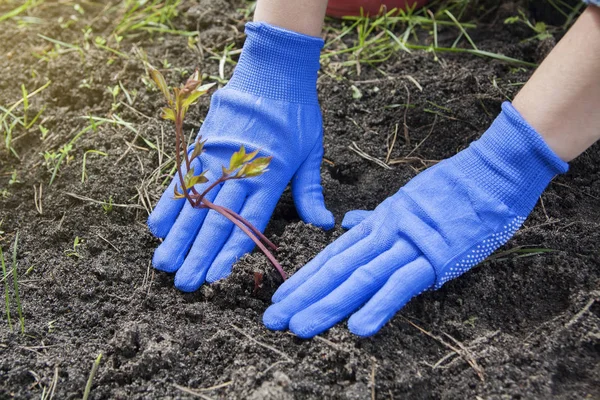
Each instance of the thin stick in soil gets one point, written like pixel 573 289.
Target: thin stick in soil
pixel 461 351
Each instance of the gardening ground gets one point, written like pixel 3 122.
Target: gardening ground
pixel 523 325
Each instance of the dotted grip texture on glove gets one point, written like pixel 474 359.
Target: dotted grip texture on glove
pixel 478 199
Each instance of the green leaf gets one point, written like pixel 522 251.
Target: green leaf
pixel 189 175
pixel 191 99
pixel 198 148
pixel 198 179
pixel 257 167
pixel 237 159
pixel 159 79
pixel 168 114
pixel 250 156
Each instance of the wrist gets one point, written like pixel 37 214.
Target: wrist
pixel 278 64
pixel 511 161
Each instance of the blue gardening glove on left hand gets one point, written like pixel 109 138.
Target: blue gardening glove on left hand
pixel 442 223
pixel 270 104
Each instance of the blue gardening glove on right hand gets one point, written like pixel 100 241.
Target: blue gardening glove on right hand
pixel 442 223
pixel 271 105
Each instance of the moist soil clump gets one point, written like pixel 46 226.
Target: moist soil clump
pixel 526 323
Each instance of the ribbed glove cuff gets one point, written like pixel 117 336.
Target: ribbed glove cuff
pixel 278 64
pixel 511 161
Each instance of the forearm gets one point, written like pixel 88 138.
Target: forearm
pixel 302 16
pixel 562 98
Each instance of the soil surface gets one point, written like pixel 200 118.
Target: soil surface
pixel 528 322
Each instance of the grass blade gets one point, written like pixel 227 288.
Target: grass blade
pixel 6 290
pixel 16 284
pixel 88 386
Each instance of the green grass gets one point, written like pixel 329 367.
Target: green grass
pixel 6 290
pixel 381 37
pixel 9 120
pixel 27 6
pixel 149 16
pixel 16 284
pixel 90 381
pixel 16 294
pixel 56 159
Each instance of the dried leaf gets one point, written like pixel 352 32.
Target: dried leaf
pixel 159 79
pixel 177 194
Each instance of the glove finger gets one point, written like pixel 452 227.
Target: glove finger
pixel 257 210
pixel 409 281
pixel 162 218
pixel 330 276
pixel 353 292
pixel 354 217
pixel 344 242
pixel 170 254
pixel 210 239
pixel 308 192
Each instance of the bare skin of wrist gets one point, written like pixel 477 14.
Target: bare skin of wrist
pixel 562 98
pixel 302 16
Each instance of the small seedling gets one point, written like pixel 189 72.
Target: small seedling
pixel 242 165
pixel 114 91
pixel 14 178
pixel 74 251
pixel 107 206
pixel 540 28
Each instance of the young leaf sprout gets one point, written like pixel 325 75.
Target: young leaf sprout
pixel 242 165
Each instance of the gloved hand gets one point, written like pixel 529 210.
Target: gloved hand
pixel 270 104
pixel 443 222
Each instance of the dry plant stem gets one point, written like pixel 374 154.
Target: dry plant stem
pixel 225 212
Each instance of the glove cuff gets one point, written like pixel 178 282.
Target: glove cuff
pixel 511 161
pixel 278 64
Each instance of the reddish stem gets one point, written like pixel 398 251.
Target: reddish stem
pixel 258 233
pixel 178 142
pixel 178 127
pixel 243 220
pixel 226 213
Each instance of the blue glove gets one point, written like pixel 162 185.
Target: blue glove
pixel 270 104
pixel 443 222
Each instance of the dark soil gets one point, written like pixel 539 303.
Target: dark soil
pixel 530 323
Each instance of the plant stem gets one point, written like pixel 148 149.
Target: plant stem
pixel 258 233
pixel 226 213
pixel 178 132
